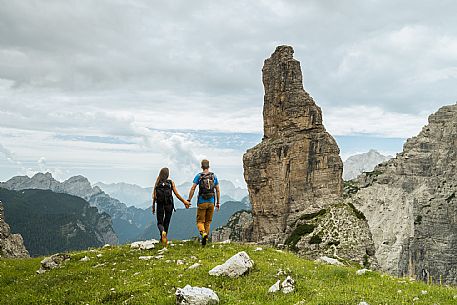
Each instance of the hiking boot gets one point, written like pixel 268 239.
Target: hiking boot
pixel 164 239
pixel 204 239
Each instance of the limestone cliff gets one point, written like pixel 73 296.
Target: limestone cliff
pixel 411 206
pixel 11 245
pixel 296 168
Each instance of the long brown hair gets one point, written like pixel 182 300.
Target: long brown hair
pixel 163 175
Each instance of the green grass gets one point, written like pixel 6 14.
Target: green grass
pixel 155 281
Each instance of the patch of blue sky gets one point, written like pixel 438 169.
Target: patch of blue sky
pixel 348 144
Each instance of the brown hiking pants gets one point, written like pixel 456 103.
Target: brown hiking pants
pixel 205 212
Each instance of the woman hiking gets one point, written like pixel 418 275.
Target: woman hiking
pixel 163 195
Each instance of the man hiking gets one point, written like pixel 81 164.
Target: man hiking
pixel 209 195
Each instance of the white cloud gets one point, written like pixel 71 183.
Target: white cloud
pixel 131 69
pixel 373 121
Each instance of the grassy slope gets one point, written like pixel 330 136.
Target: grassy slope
pixel 155 281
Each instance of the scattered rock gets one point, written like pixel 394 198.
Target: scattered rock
pixel 362 271
pixel 179 262
pixel 196 265
pixel 162 251
pixel 146 258
pixel 424 292
pixel 99 255
pixel 275 287
pixel 53 262
pixel 144 244
pixel 363 303
pixel 258 249
pixel 287 286
pixel 85 259
pixel 235 266
pixel 106 245
pixel 329 260
pixel 196 296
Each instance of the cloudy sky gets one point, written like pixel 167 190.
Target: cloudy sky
pixel 114 90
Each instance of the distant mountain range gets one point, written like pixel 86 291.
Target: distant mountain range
pixel 183 221
pixel 52 222
pixel 129 223
pixel 366 162
pixel 140 197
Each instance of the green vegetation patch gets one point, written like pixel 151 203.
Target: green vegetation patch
pixel 452 196
pixel 298 233
pixel 374 173
pixel 350 188
pixel 315 240
pixel 119 277
pixel 313 215
pixel 357 213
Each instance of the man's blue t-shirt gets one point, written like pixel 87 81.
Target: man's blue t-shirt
pixel 200 198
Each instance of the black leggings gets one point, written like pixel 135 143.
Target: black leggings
pixel 164 216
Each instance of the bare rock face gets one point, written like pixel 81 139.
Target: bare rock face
pixel 11 245
pixel 296 168
pixel 411 206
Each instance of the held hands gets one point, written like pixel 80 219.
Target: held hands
pixel 187 204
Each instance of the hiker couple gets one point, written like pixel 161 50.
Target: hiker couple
pixel 209 196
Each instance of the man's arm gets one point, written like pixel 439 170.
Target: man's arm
pixel 192 191
pixel 218 197
pixel 175 190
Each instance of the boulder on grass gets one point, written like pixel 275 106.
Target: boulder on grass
pixel 235 266
pixel 196 296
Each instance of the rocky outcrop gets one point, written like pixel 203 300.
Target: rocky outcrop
pixel 411 206
pixel 366 162
pixel 11 245
pixel 296 169
pixel 238 228
pixel 339 231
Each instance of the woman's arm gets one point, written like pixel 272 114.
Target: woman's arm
pixel 186 203
pixel 154 197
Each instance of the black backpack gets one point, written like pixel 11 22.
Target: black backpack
pixel 206 186
pixel 164 193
